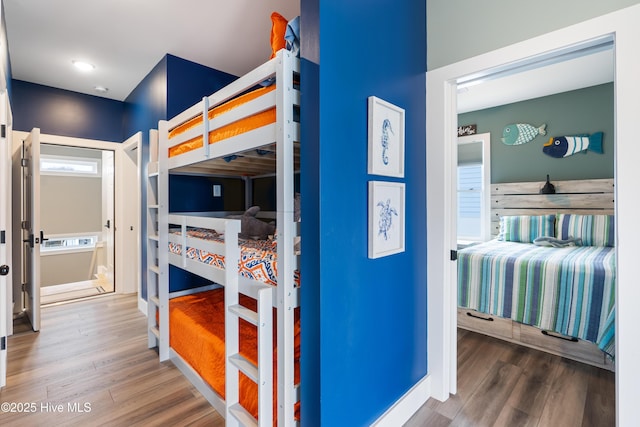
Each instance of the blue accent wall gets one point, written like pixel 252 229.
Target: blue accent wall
pixel 370 345
pixel 144 107
pixel 199 197
pixel 173 85
pixel 61 112
pixel 147 103
pixel 190 82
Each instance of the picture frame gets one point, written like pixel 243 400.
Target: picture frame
pixel 386 131
pixel 386 218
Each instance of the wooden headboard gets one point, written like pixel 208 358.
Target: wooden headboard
pixel 591 196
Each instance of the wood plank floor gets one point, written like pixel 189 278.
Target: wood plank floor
pixel 95 352
pixel 503 384
pixel 91 357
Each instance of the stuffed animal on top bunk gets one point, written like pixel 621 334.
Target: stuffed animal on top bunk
pixel 254 228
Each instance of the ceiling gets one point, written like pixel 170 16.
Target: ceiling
pixel 580 71
pixel 125 39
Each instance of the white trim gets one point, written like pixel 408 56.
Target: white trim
pixel 441 113
pixel 407 405
pixel 142 305
pixel 118 148
pixel 70 141
pixel 6 291
pixel 127 215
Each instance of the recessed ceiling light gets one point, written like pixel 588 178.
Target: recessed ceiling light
pixel 83 66
pixel 101 89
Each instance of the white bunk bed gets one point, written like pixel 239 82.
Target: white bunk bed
pixel 282 139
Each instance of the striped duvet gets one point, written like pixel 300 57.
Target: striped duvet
pixel 567 290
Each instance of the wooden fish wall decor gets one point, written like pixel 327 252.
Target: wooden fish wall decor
pixel 565 146
pixel 521 133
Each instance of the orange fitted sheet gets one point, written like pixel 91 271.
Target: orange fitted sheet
pixel 197 334
pixel 232 129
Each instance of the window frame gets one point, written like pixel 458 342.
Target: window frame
pixel 95 163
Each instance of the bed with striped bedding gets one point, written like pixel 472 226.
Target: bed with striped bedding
pixel 568 290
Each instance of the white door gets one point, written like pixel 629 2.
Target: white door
pixel 31 231
pixel 108 214
pixel 5 236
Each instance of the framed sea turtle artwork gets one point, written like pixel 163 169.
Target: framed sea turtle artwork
pixel 386 218
pixel 385 138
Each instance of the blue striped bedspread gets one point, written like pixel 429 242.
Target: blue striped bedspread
pixel 568 290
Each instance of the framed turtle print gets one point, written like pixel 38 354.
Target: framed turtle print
pixel 386 218
pixel 386 138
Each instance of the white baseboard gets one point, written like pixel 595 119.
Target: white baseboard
pixel 407 405
pixel 142 305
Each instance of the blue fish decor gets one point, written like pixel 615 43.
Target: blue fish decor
pixel 564 146
pixel 521 133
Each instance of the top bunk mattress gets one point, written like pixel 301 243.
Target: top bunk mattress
pixel 568 290
pixel 237 127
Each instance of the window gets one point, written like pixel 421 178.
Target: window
pixel 470 201
pixel 58 244
pixel 473 188
pixel 69 166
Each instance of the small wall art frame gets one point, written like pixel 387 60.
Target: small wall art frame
pixel 386 218
pixel 386 138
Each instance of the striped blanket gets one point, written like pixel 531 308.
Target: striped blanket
pixel 568 290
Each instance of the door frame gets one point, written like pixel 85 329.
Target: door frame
pixel 121 216
pixel 128 208
pixel 6 290
pixel 441 136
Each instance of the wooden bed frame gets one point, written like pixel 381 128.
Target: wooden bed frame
pixel 281 137
pixel 595 196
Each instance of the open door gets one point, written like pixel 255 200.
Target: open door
pixel 5 236
pixel 31 232
pixel 108 216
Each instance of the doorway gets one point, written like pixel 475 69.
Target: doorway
pixel 442 85
pixel 76 213
pixel 117 227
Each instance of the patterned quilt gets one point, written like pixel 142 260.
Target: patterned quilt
pixel 568 290
pixel 258 258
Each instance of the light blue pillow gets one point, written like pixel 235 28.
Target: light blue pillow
pixel 592 230
pixel 525 229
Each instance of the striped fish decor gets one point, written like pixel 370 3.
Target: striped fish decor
pixel 521 133
pixel 565 146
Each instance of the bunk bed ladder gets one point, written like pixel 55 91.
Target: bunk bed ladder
pixel 153 270
pixel 160 296
pixel 262 319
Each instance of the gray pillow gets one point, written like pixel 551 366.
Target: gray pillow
pixel 254 228
pixel 555 243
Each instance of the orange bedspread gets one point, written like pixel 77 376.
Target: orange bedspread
pixel 232 129
pixel 197 334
